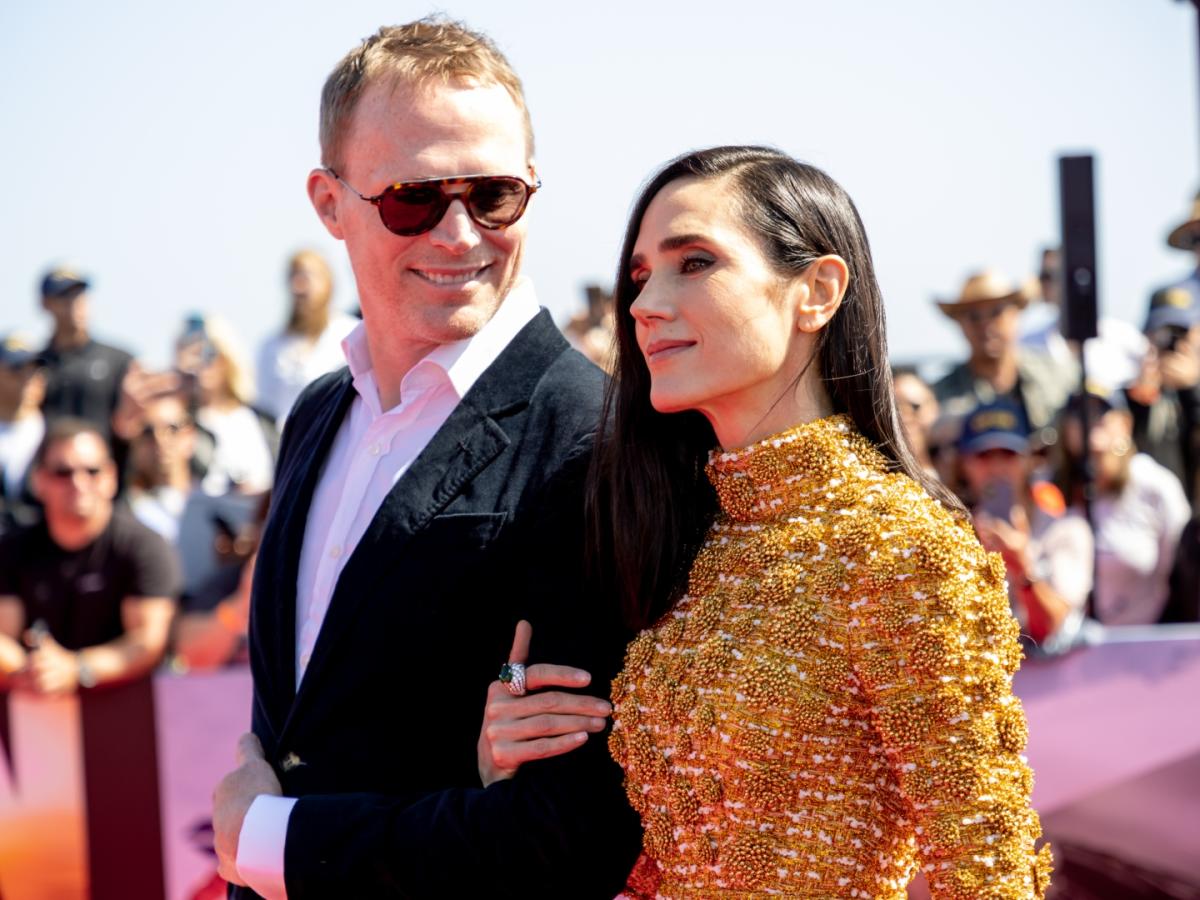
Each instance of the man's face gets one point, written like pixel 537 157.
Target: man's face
pixel 77 480
pixel 69 310
pixel 991 327
pixel 443 285
pixel 164 448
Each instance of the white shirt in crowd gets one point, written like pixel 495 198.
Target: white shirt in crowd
pixel 19 440
pixel 287 363
pixel 1137 533
pixel 373 448
pixel 241 455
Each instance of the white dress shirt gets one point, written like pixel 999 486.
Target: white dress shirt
pixel 369 454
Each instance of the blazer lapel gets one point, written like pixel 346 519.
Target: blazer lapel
pixel 291 502
pixel 460 450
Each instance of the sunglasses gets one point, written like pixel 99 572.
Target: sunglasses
pixel 163 429
pixel 414 207
pixel 68 473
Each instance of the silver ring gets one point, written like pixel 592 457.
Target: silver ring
pixel 512 676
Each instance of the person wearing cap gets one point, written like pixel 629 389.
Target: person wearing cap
pixel 22 386
pixel 1165 400
pixel 988 310
pixel 1138 512
pixel 1047 549
pixel 83 376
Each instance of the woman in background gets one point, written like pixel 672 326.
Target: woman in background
pixel 1138 513
pixel 819 702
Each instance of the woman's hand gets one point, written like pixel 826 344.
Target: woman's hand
pixel 538 725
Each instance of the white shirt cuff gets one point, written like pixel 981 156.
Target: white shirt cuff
pixel 261 843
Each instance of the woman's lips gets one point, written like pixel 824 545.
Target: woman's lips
pixel 660 350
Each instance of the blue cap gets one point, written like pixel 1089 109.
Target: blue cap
pixel 15 351
pixel 1176 305
pixel 1000 424
pixel 62 280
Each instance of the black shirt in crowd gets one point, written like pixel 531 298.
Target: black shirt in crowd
pixel 78 593
pixel 84 382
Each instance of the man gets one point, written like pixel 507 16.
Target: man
pixel 433 498
pixel 1047 551
pixel 988 310
pixel 83 376
pixel 90 591
pixel 22 386
pixel 311 343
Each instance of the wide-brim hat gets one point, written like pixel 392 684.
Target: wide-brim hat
pixel 1187 235
pixel 986 286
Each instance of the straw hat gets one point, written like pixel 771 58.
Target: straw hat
pixel 1185 236
pixel 985 287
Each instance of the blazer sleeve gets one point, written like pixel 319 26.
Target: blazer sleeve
pixel 561 828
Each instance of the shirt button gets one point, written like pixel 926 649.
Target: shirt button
pixel 374 449
pixel 335 551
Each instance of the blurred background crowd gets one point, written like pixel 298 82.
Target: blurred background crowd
pixel 147 487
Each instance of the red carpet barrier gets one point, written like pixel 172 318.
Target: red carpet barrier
pixel 112 790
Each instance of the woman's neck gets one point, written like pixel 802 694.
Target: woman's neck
pixel 739 421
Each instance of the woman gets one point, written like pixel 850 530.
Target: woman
pixel 822 703
pixel 1138 512
pixel 244 442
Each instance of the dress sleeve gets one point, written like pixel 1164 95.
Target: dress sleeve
pixel 934 648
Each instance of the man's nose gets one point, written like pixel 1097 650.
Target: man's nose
pixel 456 231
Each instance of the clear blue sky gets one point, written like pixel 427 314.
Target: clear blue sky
pixel 164 147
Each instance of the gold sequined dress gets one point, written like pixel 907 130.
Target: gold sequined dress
pixel 829 707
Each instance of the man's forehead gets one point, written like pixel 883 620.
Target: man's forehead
pixel 86 446
pixel 403 132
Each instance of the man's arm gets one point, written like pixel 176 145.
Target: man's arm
pixel 12 654
pixel 147 620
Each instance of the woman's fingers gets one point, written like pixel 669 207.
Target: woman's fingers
pixel 509 731
pixel 503 706
pixel 511 756
pixel 542 675
pixel 520 645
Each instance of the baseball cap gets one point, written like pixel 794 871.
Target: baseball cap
pixel 1000 424
pixel 1172 306
pixel 62 279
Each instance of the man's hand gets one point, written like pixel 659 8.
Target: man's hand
pixel 50 668
pixel 232 798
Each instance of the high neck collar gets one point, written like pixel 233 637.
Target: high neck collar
pixel 799 469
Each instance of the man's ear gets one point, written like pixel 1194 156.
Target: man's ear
pixel 324 192
pixel 818 292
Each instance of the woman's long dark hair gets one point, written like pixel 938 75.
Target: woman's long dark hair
pixel 649 503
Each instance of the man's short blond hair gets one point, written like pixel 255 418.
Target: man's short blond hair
pixel 432 49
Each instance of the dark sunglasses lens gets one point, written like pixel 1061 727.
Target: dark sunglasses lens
pixel 412 210
pixel 66 472
pixel 496 202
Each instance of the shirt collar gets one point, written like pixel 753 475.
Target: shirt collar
pixel 461 362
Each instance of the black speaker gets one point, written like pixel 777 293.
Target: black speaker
pixel 1078 206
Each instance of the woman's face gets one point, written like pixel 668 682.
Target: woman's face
pixel 714 320
pixel 1109 441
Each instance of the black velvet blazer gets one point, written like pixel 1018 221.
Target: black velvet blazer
pixel 379 744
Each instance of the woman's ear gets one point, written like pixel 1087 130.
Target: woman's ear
pixel 819 292
pixel 323 192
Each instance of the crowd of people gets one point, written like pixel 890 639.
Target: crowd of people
pixel 130 500
pixel 177 465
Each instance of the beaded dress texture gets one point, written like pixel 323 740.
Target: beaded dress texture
pixel 829 707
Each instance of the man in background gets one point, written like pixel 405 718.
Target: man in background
pixel 83 376
pixel 86 597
